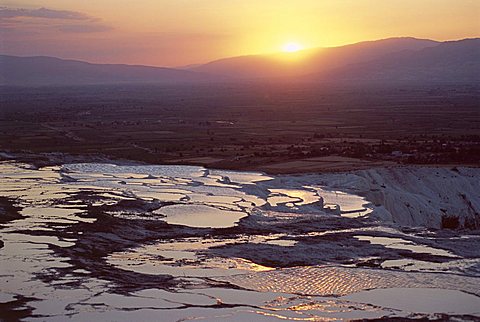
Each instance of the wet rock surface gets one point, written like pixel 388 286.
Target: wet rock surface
pixel 104 241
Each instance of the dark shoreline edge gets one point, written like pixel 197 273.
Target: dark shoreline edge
pixel 40 160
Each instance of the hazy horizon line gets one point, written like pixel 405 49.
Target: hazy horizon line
pixel 242 55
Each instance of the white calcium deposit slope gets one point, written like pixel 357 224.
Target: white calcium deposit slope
pixel 412 196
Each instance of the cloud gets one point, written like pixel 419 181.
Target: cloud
pixel 46 20
pixel 43 13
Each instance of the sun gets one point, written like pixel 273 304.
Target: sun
pixel 291 47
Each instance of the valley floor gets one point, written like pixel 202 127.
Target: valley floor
pixel 278 128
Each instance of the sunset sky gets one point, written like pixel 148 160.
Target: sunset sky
pixel 181 32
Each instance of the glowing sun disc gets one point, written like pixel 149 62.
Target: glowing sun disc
pixel 291 47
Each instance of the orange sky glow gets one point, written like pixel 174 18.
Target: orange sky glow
pixel 182 32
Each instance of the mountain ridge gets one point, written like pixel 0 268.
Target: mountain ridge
pixel 272 65
pixel 45 70
pixel 391 59
pixel 455 60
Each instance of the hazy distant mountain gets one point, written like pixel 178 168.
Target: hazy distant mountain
pixel 25 71
pixel 392 60
pixel 310 61
pixel 453 61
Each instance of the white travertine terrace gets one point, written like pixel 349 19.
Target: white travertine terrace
pixel 319 228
